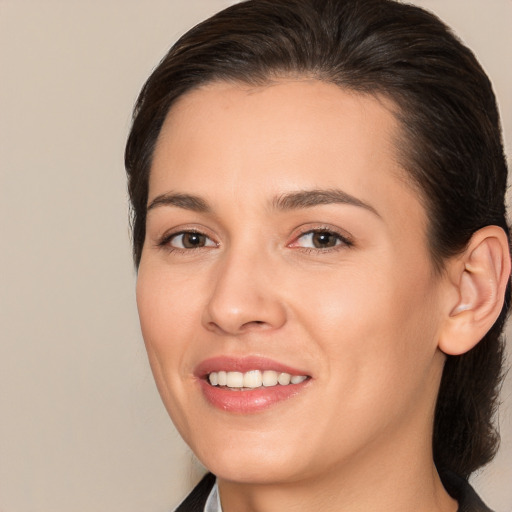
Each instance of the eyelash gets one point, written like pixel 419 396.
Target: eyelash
pixel 342 241
pixel 166 240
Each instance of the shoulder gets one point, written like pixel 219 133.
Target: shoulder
pixel 196 500
pixel 460 489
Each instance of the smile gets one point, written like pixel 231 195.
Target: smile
pixel 250 384
pixel 253 379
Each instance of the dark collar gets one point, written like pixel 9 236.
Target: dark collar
pixel 196 500
pixel 458 488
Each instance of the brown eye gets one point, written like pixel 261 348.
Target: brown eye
pixel 320 239
pixel 324 239
pixel 190 240
pixel 193 240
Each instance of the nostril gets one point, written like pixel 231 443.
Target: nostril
pixel 254 324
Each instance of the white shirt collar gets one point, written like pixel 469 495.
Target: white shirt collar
pixel 213 501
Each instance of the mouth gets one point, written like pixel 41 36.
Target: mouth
pixel 249 384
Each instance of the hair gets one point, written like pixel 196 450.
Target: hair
pixel 450 145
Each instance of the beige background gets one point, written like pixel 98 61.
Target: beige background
pixel 81 425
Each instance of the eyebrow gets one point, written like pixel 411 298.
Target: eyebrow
pixel 316 197
pixel 185 201
pixel 290 201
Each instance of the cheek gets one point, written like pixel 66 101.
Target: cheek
pixel 373 323
pixel 169 322
pixel 167 306
pixel 168 314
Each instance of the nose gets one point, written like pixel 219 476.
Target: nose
pixel 244 297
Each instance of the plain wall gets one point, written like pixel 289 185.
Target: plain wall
pixel 81 425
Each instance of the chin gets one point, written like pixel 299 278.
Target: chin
pixel 249 458
pixel 253 470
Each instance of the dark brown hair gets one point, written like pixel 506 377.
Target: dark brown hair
pixel 451 144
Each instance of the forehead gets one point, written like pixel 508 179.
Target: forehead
pixel 306 106
pixel 234 142
pixel 284 119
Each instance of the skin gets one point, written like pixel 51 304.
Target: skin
pixel 362 318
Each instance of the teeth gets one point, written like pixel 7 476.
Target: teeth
pixel 269 378
pixel 234 380
pixel 284 379
pixel 214 378
pixel 253 379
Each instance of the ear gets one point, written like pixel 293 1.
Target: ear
pixel 479 276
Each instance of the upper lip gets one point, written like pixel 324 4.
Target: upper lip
pixel 243 364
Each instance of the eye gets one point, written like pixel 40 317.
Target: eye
pixel 190 240
pixel 320 239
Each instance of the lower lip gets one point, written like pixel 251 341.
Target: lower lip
pixel 249 401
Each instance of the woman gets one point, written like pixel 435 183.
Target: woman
pixel 323 257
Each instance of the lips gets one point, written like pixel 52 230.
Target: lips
pixel 243 364
pixel 249 384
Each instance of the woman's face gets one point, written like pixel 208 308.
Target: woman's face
pixel 283 239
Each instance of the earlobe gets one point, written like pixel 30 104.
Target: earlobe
pixel 481 276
